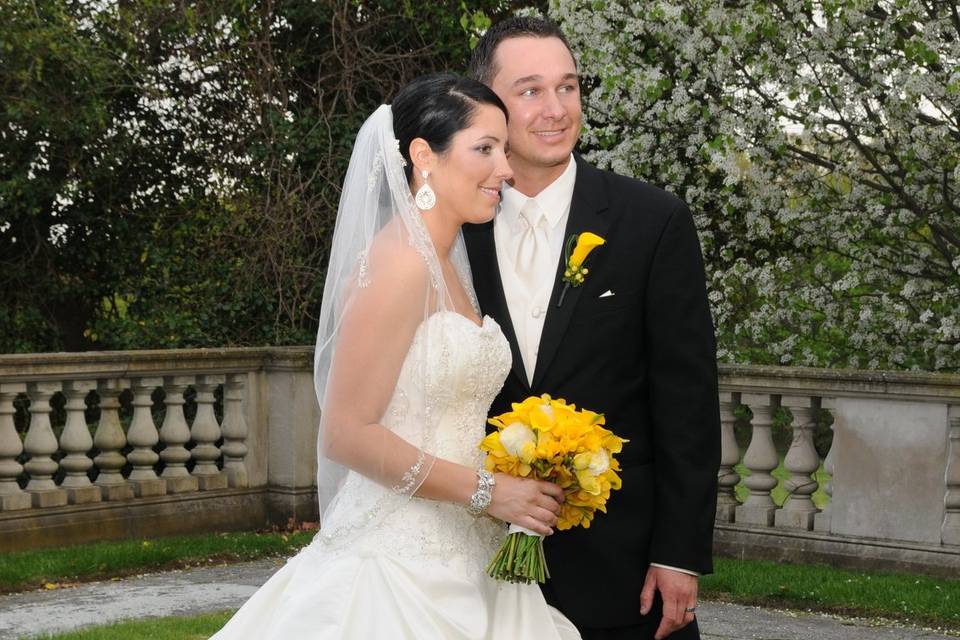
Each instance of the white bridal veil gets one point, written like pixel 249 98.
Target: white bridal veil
pixel 383 282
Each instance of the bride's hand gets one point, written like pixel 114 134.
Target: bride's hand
pixel 532 504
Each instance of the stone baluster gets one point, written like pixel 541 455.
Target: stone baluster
pixel 206 432
pixel 110 440
pixel 175 433
pixel 951 520
pixel 40 444
pixel 727 478
pixel 234 430
pixel 12 497
pixel 802 462
pixel 822 521
pixel 142 436
pixel 76 442
pixel 761 458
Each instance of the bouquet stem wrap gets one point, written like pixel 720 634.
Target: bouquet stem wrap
pixel 520 558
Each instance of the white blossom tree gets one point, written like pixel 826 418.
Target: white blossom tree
pixel 818 143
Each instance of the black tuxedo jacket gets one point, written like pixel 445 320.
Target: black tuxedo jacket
pixel 646 358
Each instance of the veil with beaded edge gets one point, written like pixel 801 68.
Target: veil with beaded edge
pixel 383 282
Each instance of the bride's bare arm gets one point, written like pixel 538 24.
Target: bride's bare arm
pixel 378 327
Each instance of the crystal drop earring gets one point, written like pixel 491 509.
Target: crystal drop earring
pixel 425 198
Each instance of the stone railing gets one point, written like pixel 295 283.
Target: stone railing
pixel 892 487
pixel 99 445
pixel 117 444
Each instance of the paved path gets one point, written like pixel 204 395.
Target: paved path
pixel 203 590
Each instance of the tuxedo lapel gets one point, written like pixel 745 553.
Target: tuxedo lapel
pixel 588 203
pixel 482 251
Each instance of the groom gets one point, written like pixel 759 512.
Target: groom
pixel 634 342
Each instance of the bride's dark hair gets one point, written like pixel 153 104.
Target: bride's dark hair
pixel 435 107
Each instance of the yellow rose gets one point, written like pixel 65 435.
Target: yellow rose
pixel 588 482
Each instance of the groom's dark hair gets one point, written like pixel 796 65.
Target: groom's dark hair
pixel 483 66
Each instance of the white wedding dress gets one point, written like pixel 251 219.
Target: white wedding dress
pixel 419 572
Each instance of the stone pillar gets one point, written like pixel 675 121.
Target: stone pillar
pixel 111 440
pixel 12 497
pixel 727 478
pixel 175 433
pixel 293 418
pixel 802 462
pixel 761 458
pixel 143 436
pixel 206 432
pixel 75 441
pixel 890 456
pixel 951 520
pixel 40 444
pixel 822 521
pixel 234 430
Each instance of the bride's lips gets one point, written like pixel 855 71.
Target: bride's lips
pixel 491 192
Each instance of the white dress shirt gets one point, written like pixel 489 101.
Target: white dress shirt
pixel 529 309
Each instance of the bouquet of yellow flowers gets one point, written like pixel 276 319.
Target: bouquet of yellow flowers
pixel 551 440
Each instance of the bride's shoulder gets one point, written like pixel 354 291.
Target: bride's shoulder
pixel 393 259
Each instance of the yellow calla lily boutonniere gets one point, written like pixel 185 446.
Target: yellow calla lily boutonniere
pixel 577 250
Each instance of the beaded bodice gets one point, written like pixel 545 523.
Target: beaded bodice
pixel 465 368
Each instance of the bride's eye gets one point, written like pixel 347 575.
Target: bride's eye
pixel 485 149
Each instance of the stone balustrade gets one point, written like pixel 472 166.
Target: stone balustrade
pixel 891 475
pixel 58 473
pixel 102 445
pixel 154 441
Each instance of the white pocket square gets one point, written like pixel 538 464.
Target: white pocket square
pixel 607 294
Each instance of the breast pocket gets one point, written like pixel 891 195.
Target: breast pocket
pixel 593 305
pixel 607 330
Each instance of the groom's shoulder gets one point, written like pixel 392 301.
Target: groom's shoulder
pixel 625 191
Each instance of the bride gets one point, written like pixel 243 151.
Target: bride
pixel 405 372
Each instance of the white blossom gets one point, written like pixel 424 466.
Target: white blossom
pixel 819 151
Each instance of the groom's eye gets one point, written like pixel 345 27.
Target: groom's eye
pixel 529 92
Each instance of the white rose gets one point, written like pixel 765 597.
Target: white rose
pixel 514 436
pixel 599 463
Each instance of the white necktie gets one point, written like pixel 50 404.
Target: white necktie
pixel 533 252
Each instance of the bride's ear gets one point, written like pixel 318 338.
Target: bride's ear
pixel 422 157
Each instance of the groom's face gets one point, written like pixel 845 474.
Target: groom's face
pixel 537 79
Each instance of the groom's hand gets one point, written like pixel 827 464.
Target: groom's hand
pixel 678 591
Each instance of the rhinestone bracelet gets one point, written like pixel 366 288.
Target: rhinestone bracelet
pixel 481 498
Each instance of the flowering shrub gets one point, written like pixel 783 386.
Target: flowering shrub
pixel 817 143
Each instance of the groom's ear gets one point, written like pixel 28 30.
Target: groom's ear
pixel 421 155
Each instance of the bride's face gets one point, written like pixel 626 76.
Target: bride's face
pixel 468 177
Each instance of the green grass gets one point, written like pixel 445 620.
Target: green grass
pixel 52 567
pixel 175 628
pixel 909 598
